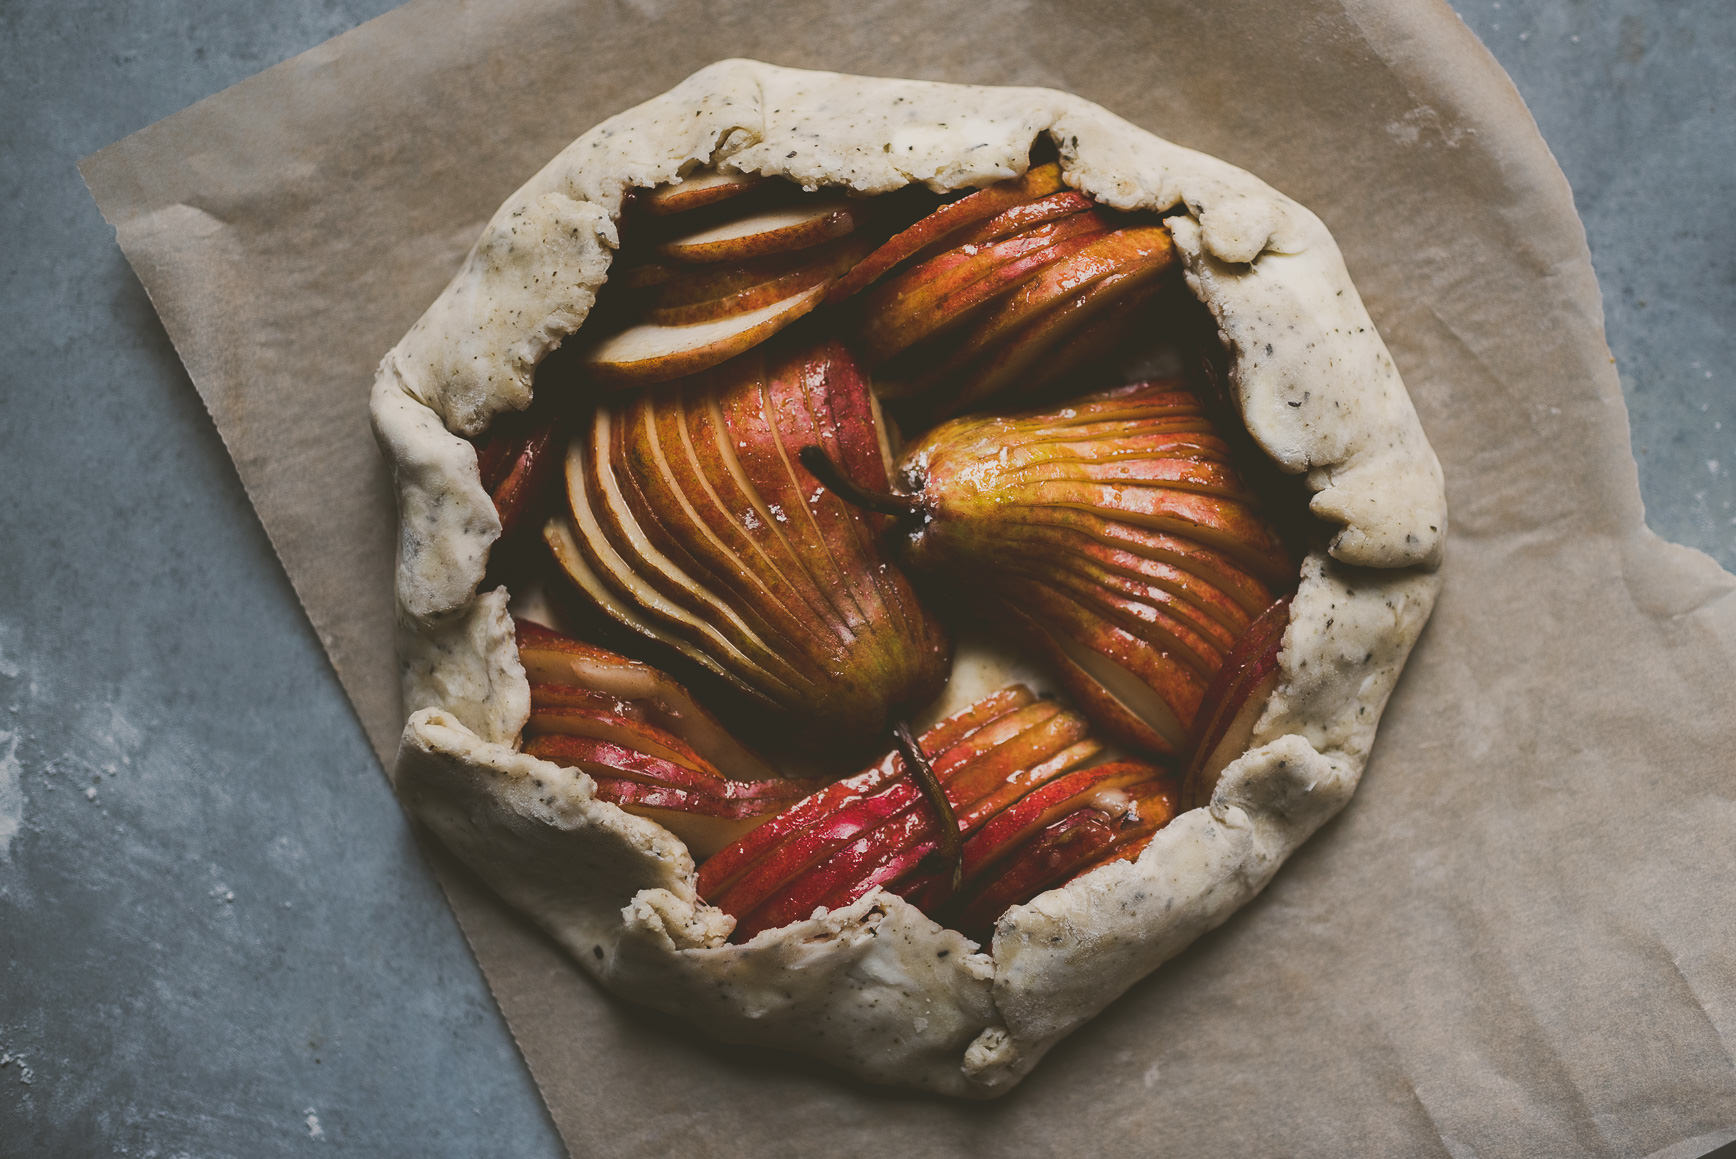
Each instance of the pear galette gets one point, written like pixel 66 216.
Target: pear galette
pixel 959 545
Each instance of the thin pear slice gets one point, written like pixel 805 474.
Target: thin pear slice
pixel 1155 621
pixel 1234 701
pixel 554 661
pixel 684 302
pixel 1055 855
pixel 775 231
pixel 618 590
pixel 555 696
pixel 1108 590
pixel 1134 466
pixel 1015 767
pixel 1056 327
pixel 656 581
pixel 1141 253
pixel 649 352
pixel 938 227
pixel 1090 829
pixel 1135 692
pixel 672 545
pixel 700 805
pixel 573 562
pixel 879 828
pixel 613 728
pixel 1234 575
pixel 1233 526
pixel 721 540
pixel 1002 835
pixel 768 473
pixel 699 190
pixel 1036 212
pixel 1153 807
pixel 944 291
pixel 842 813
pixel 723 870
pixel 707 470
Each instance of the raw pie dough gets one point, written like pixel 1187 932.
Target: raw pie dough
pixel 876 988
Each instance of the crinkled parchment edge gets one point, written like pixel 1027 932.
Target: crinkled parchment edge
pixel 876 987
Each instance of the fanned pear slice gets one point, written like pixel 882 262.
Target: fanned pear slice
pixel 638 600
pixel 724 869
pixel 878 828
pixel 1233 703
pixel 573 563
pixel 946 290
pixel 1025 215
pixel 652 525
pixel 554 662
pixel 1071 523
pixel 650 352
pixel 938 227
pixel 741 289
pixel 723 545
pixel 775 231
pixel 690 798
pixel 1072 311
pixel 699 190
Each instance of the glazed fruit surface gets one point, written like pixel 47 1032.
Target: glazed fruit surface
pixel 707 482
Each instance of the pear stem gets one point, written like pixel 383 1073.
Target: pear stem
pixel 923 774
pixel 822 467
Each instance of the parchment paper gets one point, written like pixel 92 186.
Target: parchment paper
pixel 1517 939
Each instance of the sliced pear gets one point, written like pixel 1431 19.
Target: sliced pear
pixel 877 828
pixel 574 564
pixel 1106 278
pixel 692 512
pixel 635 601
pixel 1234 701
pixel 1136 694
pixel 941 292
pixel 758 235
pixel 938 227
pixel 650 352
pixel 699 190
pixel 565 672
pixel 1035 212
pixel 698 611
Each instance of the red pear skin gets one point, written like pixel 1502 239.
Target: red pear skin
pixel 518 463
pixel 554 661
pixel 1076 842
pixel 1024 215
pixel 1233 701
pixel 943 291
pixel 877 829
pixel 938 227
pixel 723 870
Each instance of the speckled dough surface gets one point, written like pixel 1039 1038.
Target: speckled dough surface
pixel 876 987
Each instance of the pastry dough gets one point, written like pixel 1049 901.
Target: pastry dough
pixel 876 988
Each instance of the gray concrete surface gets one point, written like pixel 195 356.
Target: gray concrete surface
pixel 216 936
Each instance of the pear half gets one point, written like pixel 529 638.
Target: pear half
pixel 1112 534
pixel 691 521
